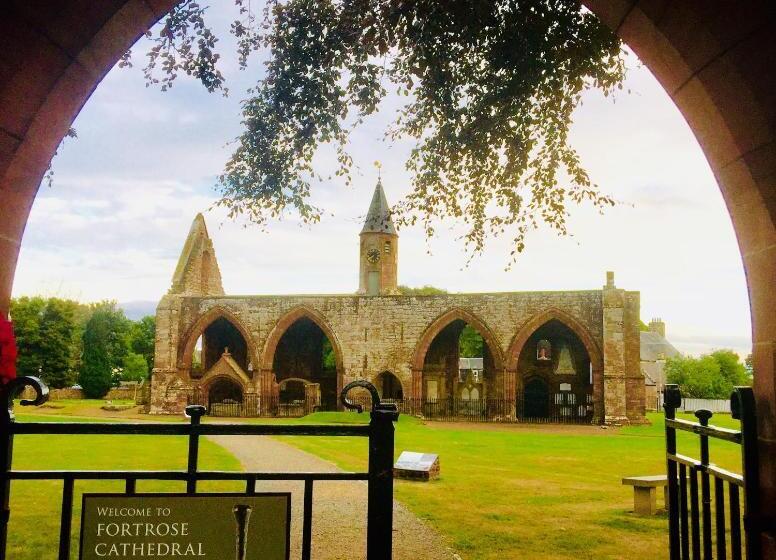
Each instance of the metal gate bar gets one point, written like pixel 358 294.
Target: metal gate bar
pixel 692 534
pixel 379 431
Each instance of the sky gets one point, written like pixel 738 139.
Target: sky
pixel 145 162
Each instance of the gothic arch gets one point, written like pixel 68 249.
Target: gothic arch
pixel 283 325
pixel 378 378
pixel 531 326
pixel 187 342
pixel 208 381
pixel 455 314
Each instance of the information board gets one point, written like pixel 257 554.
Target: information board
pixel 204 526
pixel 422 466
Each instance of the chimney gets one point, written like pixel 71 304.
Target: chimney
pixel 657 325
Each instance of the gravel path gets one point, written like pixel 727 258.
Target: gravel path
pixel 339 508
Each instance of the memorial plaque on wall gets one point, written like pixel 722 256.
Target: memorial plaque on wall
pixel 419 466
pixel 207 526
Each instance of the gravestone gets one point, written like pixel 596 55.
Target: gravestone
pixel 417 466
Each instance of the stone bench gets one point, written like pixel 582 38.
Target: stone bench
pixel 644 492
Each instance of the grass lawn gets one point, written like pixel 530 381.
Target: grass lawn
pixel 35 505
pixel 514 492
pixel 506 492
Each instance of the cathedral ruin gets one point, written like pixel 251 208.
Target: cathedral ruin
pixel 556 354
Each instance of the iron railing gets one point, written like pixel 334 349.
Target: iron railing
pixel 692 532
pixel 379 477
pixel 558 408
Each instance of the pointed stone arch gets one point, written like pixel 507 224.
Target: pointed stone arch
pixel 189 340
pixel 378 380
pixel 269 378
pixel 553 313
pixel 286 321
pixel 592 348
pixel 456 314
pixel 226 368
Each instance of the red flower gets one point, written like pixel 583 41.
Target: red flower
pixel 8 351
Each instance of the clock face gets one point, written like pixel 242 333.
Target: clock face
pixel 373 255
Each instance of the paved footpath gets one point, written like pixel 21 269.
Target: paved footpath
pixel 339 507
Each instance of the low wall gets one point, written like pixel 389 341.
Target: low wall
pixel 115 394
pixel 691 405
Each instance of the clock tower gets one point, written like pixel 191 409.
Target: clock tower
pixel 379 254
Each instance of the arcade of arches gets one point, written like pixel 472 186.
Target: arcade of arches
pixel 714 59
pixel 570 354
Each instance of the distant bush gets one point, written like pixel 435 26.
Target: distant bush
pixel 711 376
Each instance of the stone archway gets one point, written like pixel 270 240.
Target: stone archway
pixel 389 386
pixel 455 319
pixel 714 60
pixel 189 340
pixel 527 330
pixel 301 317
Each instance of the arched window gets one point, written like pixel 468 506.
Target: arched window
pixel 218 338
pixel 306 353
pixel 389 386
pixel 224 390
pixel 458 357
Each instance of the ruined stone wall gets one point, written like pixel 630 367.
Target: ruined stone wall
pixel 386 333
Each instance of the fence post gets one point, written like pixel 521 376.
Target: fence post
pixel 703 417
pixel 672 400
pixel 7 394
pixel 742 407
pixel 379 528
pixel 380 493
pixel 195 412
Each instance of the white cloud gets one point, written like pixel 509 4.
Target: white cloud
pixel 145 162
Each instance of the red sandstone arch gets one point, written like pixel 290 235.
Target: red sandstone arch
pixel 268 353
pixel 537 321
pixel 714 59
pixel 189 340
pixel 455 314
pixel 582 332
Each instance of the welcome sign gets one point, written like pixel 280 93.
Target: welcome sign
pixel 176 526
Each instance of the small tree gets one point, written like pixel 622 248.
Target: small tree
pixel 470 343
pixel 95 375
pixel 105 345
pixel 26 313
pixel 46 334
pixel 57 330
pixel 421 291
pixel 135 368
pixel 142 339
pixel 711 376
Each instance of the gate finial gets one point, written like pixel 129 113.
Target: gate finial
pixel 377 405
pixel 15 387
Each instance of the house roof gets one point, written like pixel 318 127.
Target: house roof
pixel 655 347
pixel 470 363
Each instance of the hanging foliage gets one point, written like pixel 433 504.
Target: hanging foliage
pixel 490 89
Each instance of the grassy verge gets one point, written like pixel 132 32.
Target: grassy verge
pixel 517 492
pixel 35 505
pixel 506 492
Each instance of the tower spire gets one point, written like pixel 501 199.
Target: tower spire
pixel 379 248
pixel 378 218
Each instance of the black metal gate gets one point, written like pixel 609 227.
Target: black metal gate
pixel 379 431
pixel 692 533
